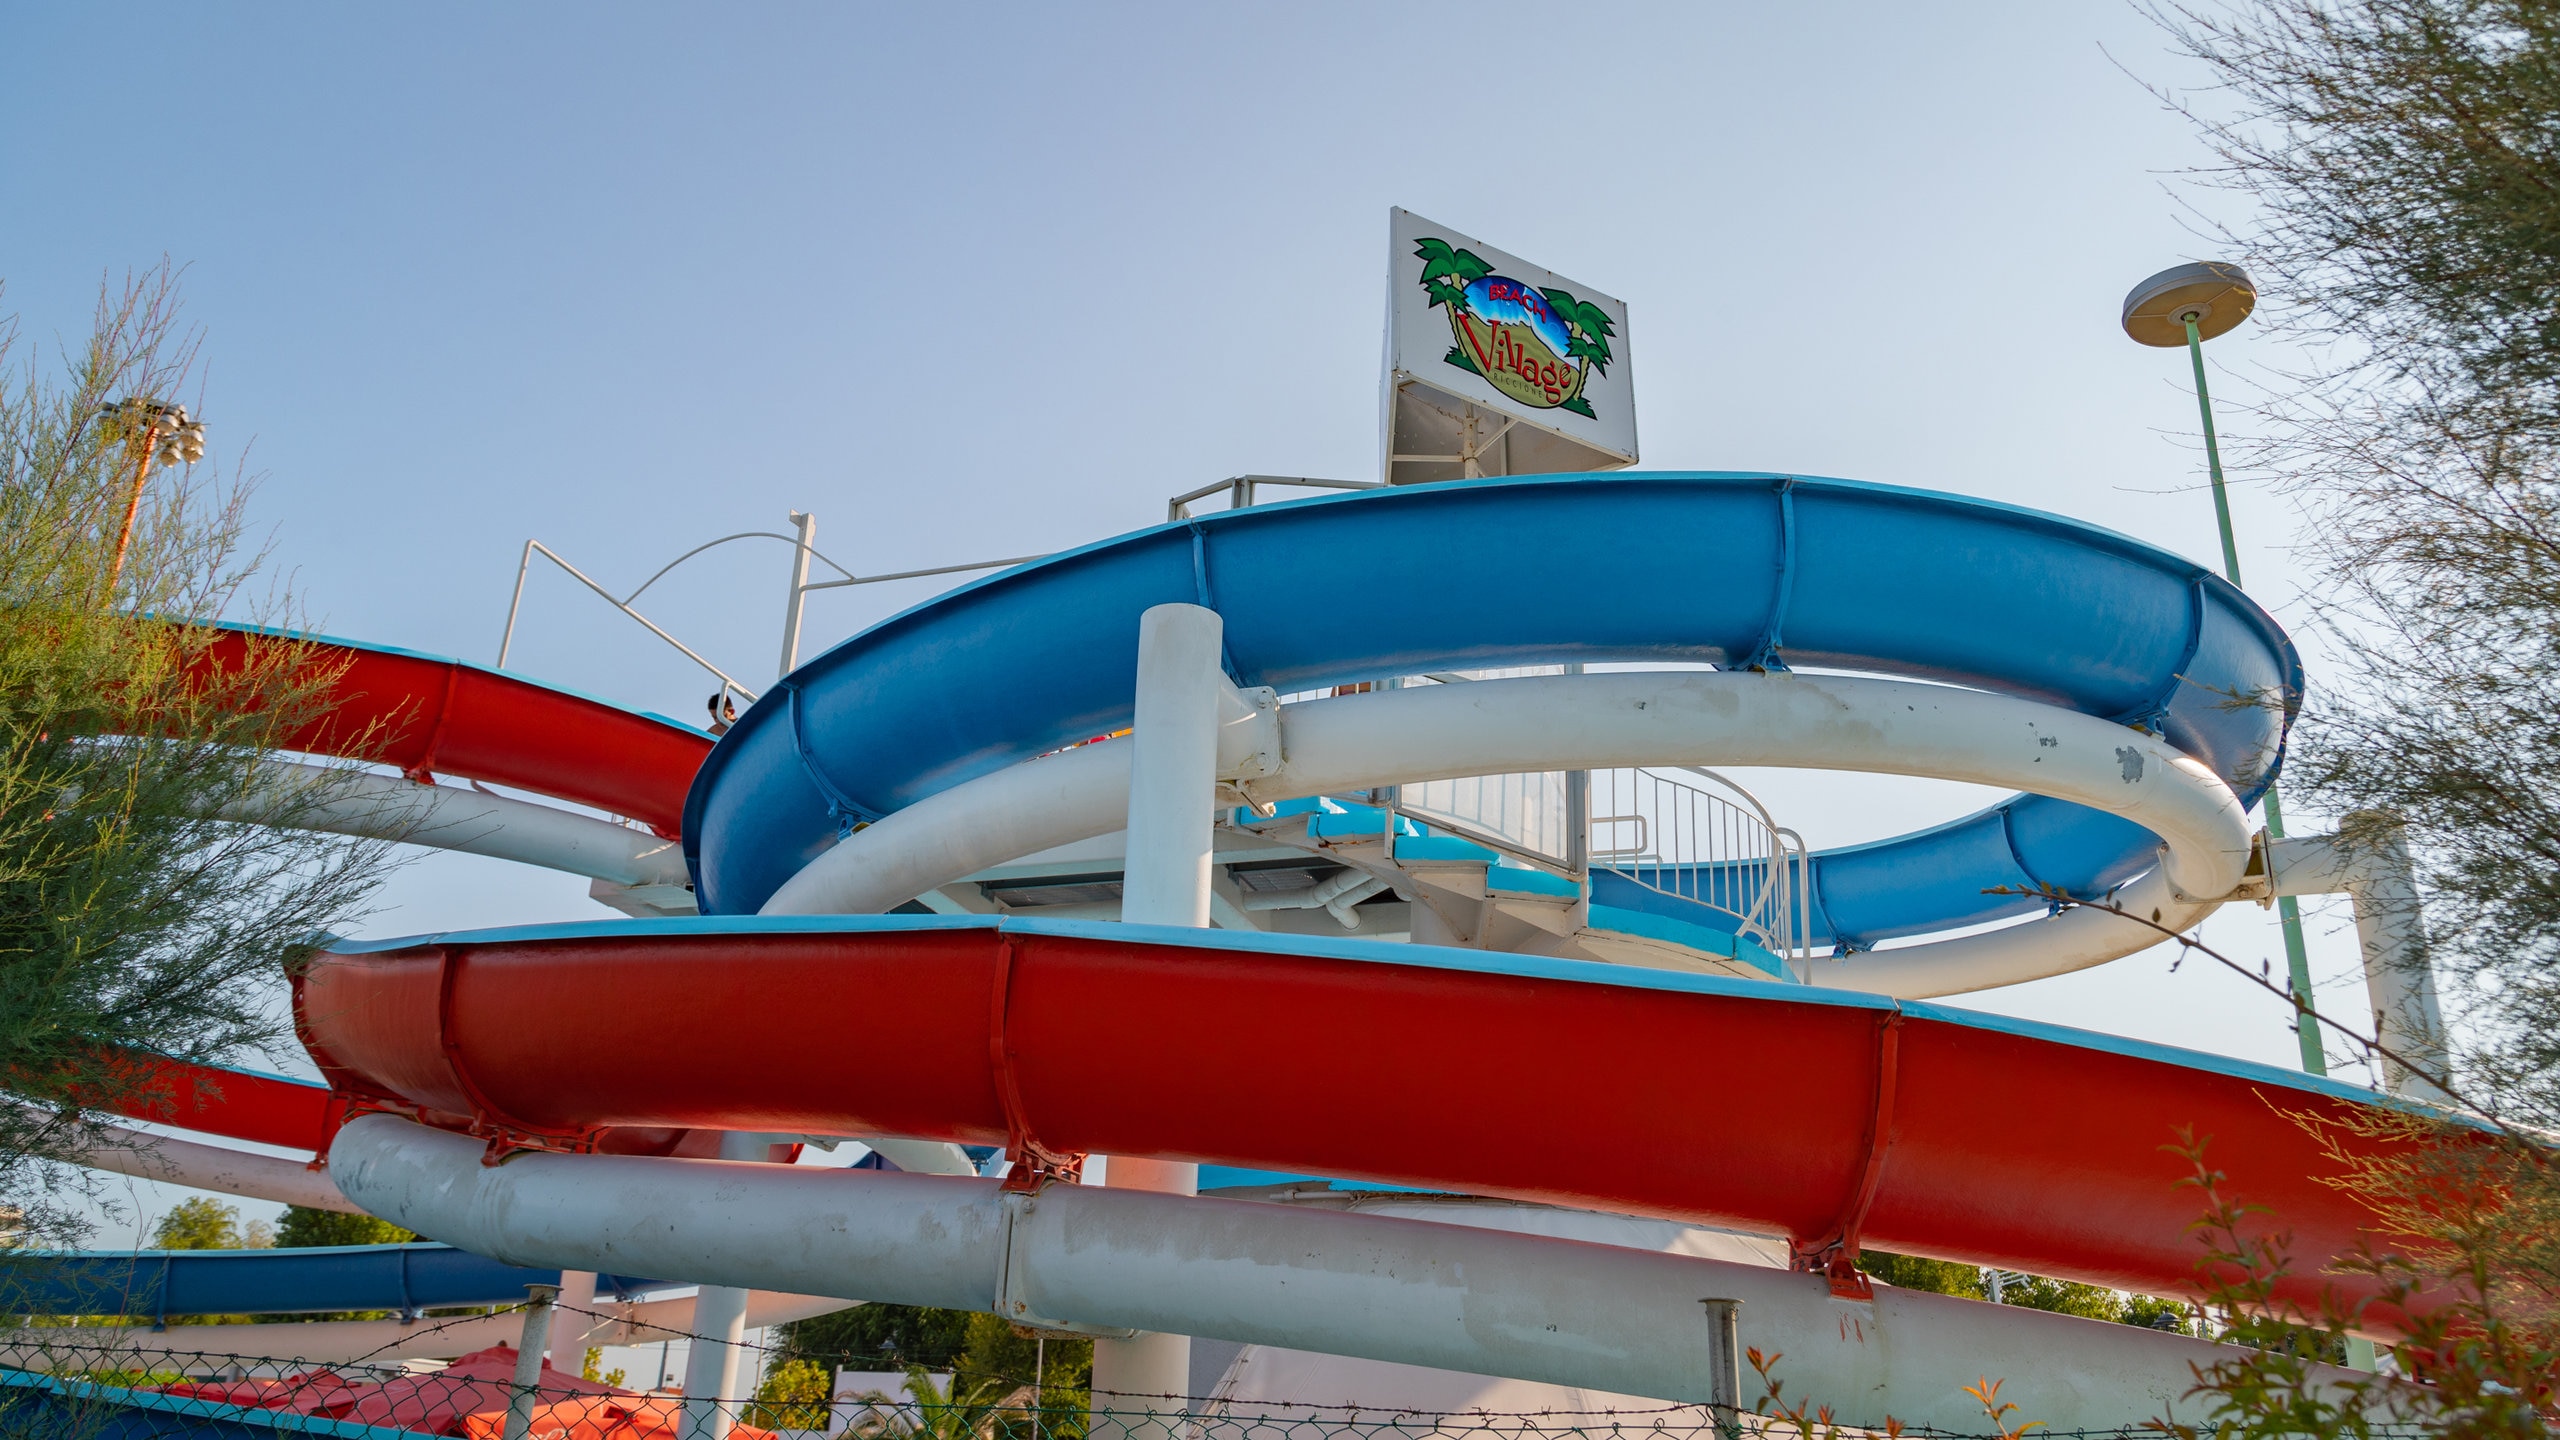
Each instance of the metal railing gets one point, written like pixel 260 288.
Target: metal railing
pixel 800 587
pixel 1536 817
pixel 1240 490
pixel 1712 844
pixel 533 547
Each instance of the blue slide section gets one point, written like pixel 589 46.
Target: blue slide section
pixel 1731 570
pixel 269 1282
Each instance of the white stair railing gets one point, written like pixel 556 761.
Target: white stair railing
pixel 1683 831
pixel 1535 817
pixel 1690 833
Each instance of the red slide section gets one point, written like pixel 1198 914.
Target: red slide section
pixel 242 1104
pixel 429 715
pixel 1911 1128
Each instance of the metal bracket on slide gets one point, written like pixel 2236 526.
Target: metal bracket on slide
pixel 1835 1256
pixel 2258 881
pixel 1034 1165
pixel 1013 1282
pixel 1838 1265
pixel 1248 733
pixel 423 770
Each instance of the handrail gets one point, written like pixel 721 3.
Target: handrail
pixel 1776 912
pixel 1801 883
pixel 1240 490
pixel 852 579
pixel 507 642
pixel 1637 851
pixel 723 540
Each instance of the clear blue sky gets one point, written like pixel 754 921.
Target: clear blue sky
pixel 979 281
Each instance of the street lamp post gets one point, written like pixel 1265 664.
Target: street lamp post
pixel 152 431
pixel 2189 305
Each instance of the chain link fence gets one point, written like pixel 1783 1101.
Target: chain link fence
pixel 111 1383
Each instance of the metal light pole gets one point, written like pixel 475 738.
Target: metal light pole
pixel 159 432
pixel 2187 306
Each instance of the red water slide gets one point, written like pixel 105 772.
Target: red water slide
pixel 428 715
pixel 1831 1118
pixel 1822 1116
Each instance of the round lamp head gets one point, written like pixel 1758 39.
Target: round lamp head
pixel 2218 296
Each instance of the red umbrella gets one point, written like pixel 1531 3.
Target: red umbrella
pixel 439 1401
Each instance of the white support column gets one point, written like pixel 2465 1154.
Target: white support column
pixel 808 528
pixel 1173 780
pixel 2399 975
pixel 1173 767
pixel 719 1324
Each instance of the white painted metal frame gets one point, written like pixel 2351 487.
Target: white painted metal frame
pixel 1241 490
pixel 1412 1292
pixel 1697 844
pixel 1340 745
pixel 801 585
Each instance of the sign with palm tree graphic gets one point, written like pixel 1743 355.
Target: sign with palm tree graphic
pixel 1536 344
pixel 1497 366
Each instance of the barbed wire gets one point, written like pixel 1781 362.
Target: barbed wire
pixel 122 1402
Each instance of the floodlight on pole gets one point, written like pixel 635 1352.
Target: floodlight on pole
pixel 152 432
pixel 2188 305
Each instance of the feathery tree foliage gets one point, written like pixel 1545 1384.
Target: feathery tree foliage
pixel 2403 160
pixel 133 917
pixel 2401 164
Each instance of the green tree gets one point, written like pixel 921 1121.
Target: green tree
pixel 202 1224
pixel 995 1366
pixel 2399 164
pixel 133 916
pixel 303 1226
pixel 1058 1365
pixel 794 1396
pixel 879 1337
pixel 2028 1292
pixel 1914 1272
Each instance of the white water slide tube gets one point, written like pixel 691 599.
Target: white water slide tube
pixel 1553 722
pixel 214 1167
pixel 1112 1261
pixel 341 801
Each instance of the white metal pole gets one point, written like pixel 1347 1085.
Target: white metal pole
pixel 529 1346
pixel 508 640
pixel 1173 779
pixel 2399 976
pixel 1724 1365
pixel 808 528
pixel 719 1324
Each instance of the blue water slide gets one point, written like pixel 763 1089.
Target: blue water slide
pixel 1732 570
pixel 269 1282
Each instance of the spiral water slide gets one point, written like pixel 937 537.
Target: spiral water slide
pixel 2136 702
